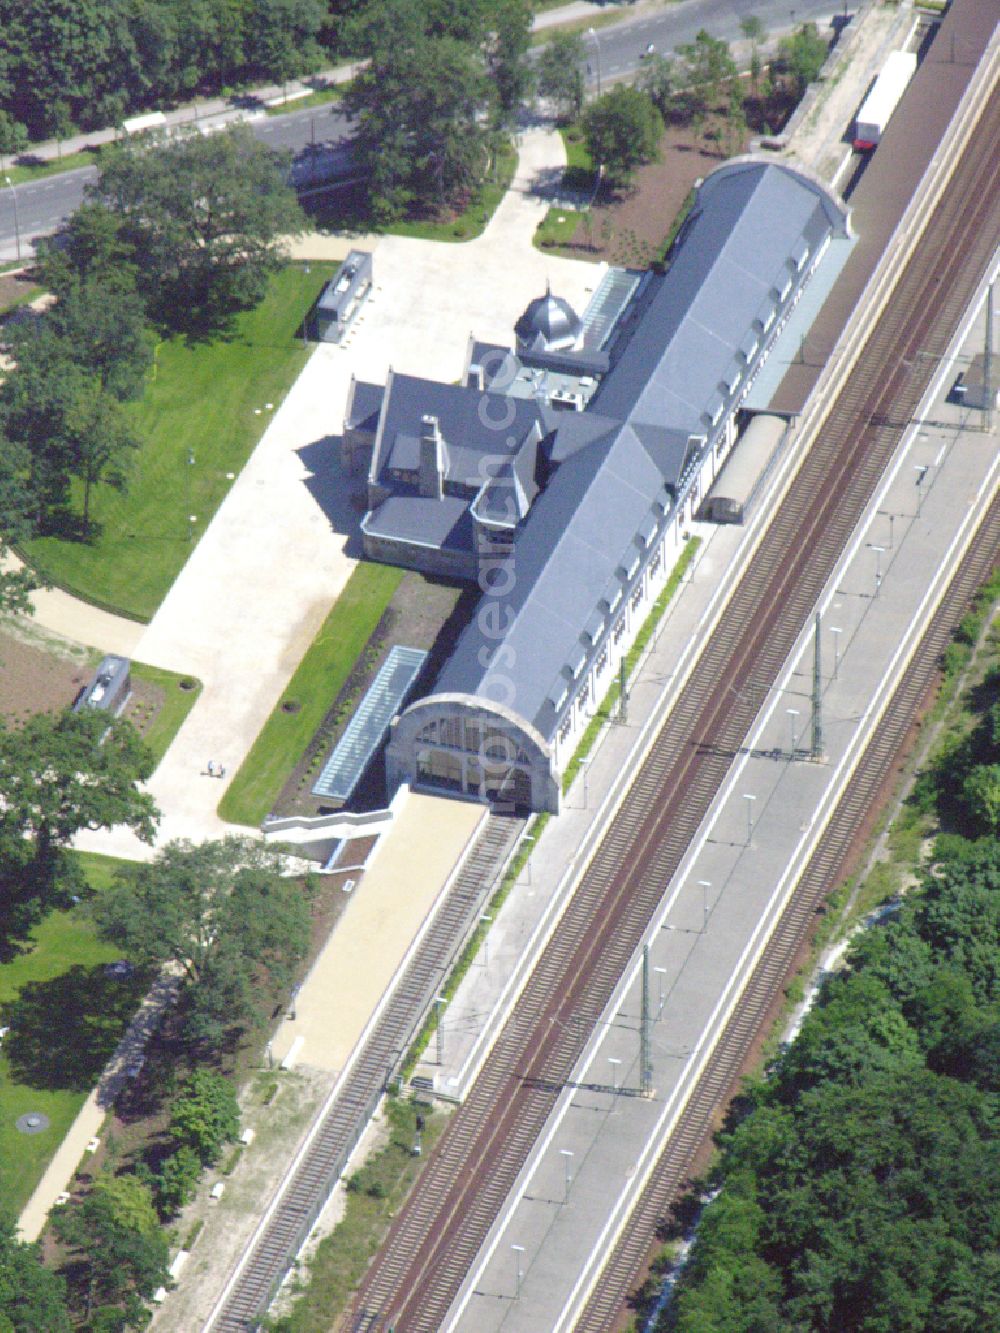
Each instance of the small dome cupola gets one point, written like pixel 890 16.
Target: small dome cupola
pixel 549 324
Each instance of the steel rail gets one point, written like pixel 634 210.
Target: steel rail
pixel 436 1236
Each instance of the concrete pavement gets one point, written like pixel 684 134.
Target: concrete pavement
pixel 402 886
pixel 261 580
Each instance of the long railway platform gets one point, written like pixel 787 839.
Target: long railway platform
pixel 535 1267
pixel 433 1244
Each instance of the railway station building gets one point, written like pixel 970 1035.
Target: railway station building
pixel 561 476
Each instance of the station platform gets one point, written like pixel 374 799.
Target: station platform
pixel 389 905
pixel 602 1136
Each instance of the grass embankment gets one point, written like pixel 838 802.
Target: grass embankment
pixel 179 695
pixel 38 170
pixel 559 225
pixel 571 26
pixel 346 209
pixel 320 676
pixel 71 1018
pixel 200 404
pixel 321 97
pixel 375 1193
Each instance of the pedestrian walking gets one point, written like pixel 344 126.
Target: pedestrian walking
pixel 211 768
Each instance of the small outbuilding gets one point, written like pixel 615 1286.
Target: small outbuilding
pixel 343 296
pixel 109 689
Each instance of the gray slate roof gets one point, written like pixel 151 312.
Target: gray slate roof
pixel 622 459
pixel 475 426
pixel 732 253
pixel 416 518
pixel 579 534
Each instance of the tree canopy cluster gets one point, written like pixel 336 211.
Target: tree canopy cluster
pixel 90 63
pixel 622 130
pixel 861 1188
pixel 174 235
pixel 118 1252
pixel 442 78
pixel 223 913
pixel 60 773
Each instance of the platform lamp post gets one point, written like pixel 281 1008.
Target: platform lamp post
pixel 661 972
pixel 836 631
pixel 645 1056
pixel 585 766
pixel 704 885
pixel 922 470
pixel 518 1270
pixel 749 800
pixel 486 921
pixel 567 1156
pixel 615 1064
pixel 879 553
pixel 816 747
pixel 793 713
pixel 592 32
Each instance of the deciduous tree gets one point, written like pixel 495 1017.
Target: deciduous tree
pixel 207 219
pixel 63 772
pixel 225 914
pixel 282 36
pixel 706 67
pixel 121 1248
pixel 420 107
pixel 658 79
pixel 205 1115
pixel 32 1297
pixel 622 130
pixel 559 73
pixel 802 56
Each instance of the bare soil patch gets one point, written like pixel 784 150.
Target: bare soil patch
pixel 38 676
pixel 632 227
pixel 16 288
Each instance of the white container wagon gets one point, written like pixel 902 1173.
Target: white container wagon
pixel 883 99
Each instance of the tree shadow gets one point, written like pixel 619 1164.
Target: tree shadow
pixel 64 1031
pixel 62 522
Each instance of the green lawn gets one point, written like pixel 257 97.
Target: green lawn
pixel 375 1194
pixel 21 175
pixel 559 225
pixel 557 228
pixel 179 694
pixel 199 405
pixel 319 678
pixel 73 1016
pixel 322 97
pixel 347 209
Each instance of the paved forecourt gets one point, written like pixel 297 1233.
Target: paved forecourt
pixel 282 545
pixel 602 1136
pixel 399 892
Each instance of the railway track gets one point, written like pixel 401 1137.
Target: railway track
pixel 826 867
pixel 321 1164
pixel 433 1242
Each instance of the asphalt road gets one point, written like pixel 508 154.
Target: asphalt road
pixel 618 49
pixel 319 138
